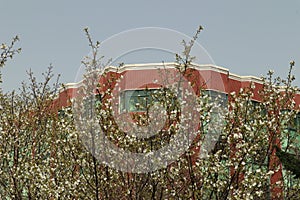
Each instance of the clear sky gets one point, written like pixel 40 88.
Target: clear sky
pixel 247 37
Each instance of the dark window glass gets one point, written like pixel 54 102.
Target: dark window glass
pixel 141 100
pixel 137 100
pixel 218 97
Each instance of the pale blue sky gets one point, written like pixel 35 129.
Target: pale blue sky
pixel 247 37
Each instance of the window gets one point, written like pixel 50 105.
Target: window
pixel 292 136
pixel 141 100
pixel 290 142
pixel 218 97
pixel 214 121
pixel 220 101
pixel 90 103
pixel 137 100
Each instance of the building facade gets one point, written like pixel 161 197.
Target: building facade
pixel 134 86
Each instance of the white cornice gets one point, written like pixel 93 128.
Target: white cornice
pixel 170 65
pixel 70 86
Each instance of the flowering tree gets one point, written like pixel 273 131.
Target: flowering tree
pixel 8 51
pixel 45 154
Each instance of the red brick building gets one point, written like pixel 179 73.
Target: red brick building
pixel 135 78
